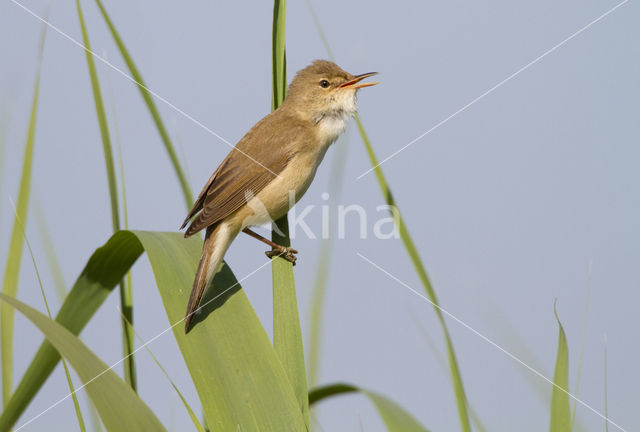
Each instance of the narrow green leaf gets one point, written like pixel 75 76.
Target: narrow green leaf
pixel 396 418
pixel 125 297
pixel 278 53
pixel 316 309
pixel 102 123
pixel 50 252
pixel 119 407
pixel 560 410
pixel 317 394
pixel 76 405
pixel 475 418
pixel 14 259
pixel 287 335
pixel 506 331
pixel 126 292
pixel 123 189
pixel 151 106
pixel 456 377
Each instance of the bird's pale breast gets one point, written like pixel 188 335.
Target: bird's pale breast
pixel 275 200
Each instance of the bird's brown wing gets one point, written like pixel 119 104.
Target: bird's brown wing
pixel 260 156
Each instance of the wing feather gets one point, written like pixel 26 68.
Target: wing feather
pixel 261 155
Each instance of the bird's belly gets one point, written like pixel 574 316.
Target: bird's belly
pixel 275 200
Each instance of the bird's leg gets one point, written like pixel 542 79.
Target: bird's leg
pixel 277 250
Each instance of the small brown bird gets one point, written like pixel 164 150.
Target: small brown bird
pixel 271 167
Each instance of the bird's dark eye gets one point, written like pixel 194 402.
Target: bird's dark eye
pixel 324 83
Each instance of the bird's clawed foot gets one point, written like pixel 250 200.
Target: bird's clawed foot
pixel 284 252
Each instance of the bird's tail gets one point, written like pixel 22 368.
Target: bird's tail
pixel 217 240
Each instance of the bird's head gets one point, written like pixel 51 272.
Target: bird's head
pixel 323 89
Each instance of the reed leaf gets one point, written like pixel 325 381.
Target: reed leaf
pixel 102 122
pixel 278 53
pixel 125 293
pixel 118 405
pixel 72 390
pixel 127 283
pixel 287 335
pixel 560 410
pixel 505 330
pixel 461 398
pixel 393 415
pixel 412 251
pixel 475 418
pixel 14 258
pixel 234 367
pixel 151 106
pixel 50 252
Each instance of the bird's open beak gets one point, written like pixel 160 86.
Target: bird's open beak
pixel 355 82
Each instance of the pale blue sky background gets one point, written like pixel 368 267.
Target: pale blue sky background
pixel 508 202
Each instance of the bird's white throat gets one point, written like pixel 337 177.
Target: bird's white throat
pixel 331 126
pixel 334 121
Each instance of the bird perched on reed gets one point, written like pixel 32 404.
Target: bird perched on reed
pixel 271 167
